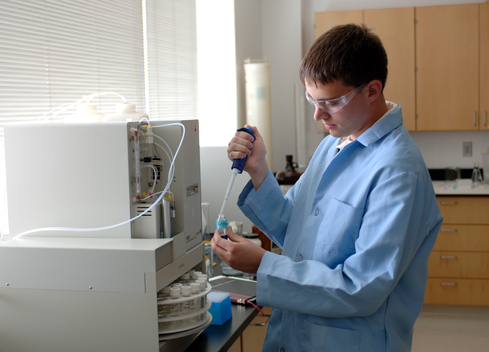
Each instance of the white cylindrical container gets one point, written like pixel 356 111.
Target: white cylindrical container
pixel 125 112
pixel 85 113
pixel 258 102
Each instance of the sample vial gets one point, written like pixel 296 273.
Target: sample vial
pixel 196 303
pixel 222 225
pixel 184 279
pixel 164 293
pixel 164 309
pixel 175 308
pixel 203 286
pixel 186 293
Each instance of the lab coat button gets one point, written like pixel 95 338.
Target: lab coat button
pixel 282 350
pixel 316 212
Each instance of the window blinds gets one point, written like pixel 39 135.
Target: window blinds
pixel 55 52
pixel 171 59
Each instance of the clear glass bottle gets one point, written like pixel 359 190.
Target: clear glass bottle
pixel 476 177
pixel 222 225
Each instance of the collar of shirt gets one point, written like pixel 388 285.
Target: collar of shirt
pixel 381 128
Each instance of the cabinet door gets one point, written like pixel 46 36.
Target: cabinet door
pixel 464 210
pixel 448 71
pixel 395 27
pixel 254 335
pixel 484 66
pixel 324 21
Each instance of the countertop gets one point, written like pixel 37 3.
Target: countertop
pixel 450 188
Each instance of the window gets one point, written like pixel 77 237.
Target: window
pixel 53 52
pixel 217 108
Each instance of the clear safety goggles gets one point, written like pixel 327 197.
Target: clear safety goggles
pixel 333 105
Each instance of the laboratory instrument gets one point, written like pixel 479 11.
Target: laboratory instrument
pixel 90 247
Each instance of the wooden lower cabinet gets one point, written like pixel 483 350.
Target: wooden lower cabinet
pixel 253 337
pixel 236 347
pixel 459 263
pixel 470 292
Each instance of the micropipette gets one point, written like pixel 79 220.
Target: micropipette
pixel 237 168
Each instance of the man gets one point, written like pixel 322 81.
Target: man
pixel 357 228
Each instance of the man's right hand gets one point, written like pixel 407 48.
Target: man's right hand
pixel 242 145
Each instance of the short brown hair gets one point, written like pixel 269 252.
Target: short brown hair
pixel 350 53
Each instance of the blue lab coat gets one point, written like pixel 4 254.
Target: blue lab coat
pixel 356 231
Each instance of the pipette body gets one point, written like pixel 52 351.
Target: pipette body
pixel 236 168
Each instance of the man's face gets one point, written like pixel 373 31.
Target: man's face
pixel 351 119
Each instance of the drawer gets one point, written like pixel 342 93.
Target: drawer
pixel 463 238
pixel 464 210
pixel 443 264
pixel 470 292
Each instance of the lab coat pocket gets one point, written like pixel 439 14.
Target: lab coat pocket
pixel 337 232
pixel 330 339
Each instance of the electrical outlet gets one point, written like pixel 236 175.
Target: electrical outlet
pixel 467 149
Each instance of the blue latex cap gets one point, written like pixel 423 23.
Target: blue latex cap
pixel 240 163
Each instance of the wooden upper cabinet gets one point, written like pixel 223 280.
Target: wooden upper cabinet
pixel 395 27
pixel 399 44
pixel 447 48
pixel 324 21
pixel 484 66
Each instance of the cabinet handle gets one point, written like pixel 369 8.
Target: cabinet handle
pixel 265 323
pixel 448 203
pixel 448 257
pixel 448 284
pixel 448 230
pixel 485 112
pixel 475 118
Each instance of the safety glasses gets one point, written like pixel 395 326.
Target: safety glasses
pixel 333 105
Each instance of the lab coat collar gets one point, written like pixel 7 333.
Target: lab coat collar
pixel 382 127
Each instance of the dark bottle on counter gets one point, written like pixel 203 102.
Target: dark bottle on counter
pixel 289 176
